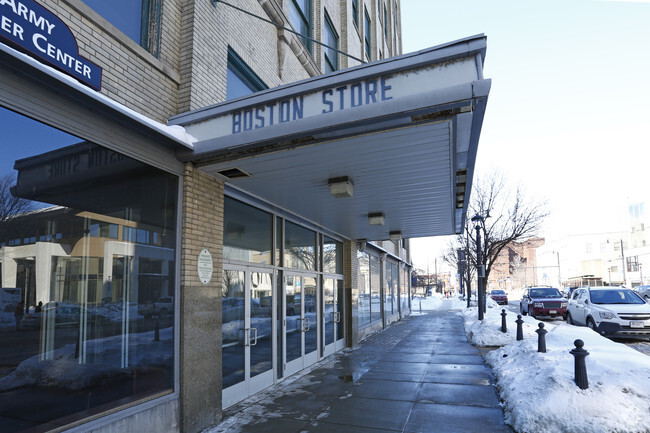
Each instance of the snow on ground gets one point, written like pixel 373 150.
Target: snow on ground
pixel 538 391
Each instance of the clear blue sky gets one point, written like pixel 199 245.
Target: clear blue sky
pixel 568 115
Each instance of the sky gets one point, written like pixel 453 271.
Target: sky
pixel 567 115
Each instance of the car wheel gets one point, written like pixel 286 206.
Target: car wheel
pixel 591 324
pixel 163 312
pixel 506 302
pixel 569 319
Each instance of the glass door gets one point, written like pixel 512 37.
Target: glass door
pixel 300 322
pixel 247 332
pixel 333 335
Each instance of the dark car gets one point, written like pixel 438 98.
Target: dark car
pixel 543 301
pixel 499 296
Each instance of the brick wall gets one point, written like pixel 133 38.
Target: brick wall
pixel 200 329
pixel 131 75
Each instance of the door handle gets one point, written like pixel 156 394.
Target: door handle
pixel 255 334
pixel 338 317
pixel 306 320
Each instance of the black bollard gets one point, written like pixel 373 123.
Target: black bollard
pixel 156 332
pixel 520 330
pixel 541 339
pixel 580 366
pixel 504 328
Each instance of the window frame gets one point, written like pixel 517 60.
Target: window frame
pixel 367 36
pixel 329 27
pixel 244 72
pixel 355 13
pixel 306 17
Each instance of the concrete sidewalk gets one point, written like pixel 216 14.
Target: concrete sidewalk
pixel 419 375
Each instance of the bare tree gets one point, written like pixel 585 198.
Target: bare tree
pixel 9 204
pixel 510 216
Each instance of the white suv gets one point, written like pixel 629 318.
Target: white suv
pixel 609 310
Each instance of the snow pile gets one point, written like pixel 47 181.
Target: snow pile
pixel 61 368
pixel 538 391
pixel 429 303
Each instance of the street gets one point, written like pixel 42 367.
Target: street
pixel 640 345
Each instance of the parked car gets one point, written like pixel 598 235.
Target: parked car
pixel 543 301
pixel 162 307
pixel 499 296
pixel 610 310
pixel 643 291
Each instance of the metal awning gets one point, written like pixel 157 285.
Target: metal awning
pixel 402 132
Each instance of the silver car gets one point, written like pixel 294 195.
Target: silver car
pixel 610 310
pixel 643 291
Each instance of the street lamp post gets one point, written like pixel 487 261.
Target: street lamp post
pixel 480 268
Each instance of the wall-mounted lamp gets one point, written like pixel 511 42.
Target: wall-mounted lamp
pixel 361 245
pixel 395 236
pixel 376 218
pixel 341 187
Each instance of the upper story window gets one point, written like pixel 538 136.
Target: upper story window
pixel 355 12
pixel 138 19
pixel 300 18
pixel 367 36
pixel 332 41
pixel 241 80
pixel 385 21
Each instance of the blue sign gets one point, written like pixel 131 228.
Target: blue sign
pixel 29 27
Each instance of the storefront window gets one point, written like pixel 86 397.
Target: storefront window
pixel 394 288
pixel 299 247
pixel 364 289
pixel 332 256
pixel 247 233
pixel 388 289
pixel 375 284
pixel 404 291
pixel 86 314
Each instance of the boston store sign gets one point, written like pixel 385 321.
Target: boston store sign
pixel 30 28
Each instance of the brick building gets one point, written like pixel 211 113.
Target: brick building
pixel 197 203
pixel 516 266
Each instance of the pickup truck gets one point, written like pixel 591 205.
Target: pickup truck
pixel 161 308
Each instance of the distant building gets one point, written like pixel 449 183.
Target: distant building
pixel 516 266
pixel 585 259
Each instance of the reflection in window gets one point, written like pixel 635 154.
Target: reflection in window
pixel 375 284
pixel 138 19
pixel 389 289
pixel 240 79
pixel 332 256
pixel 232 314
pixel 332 42
pixel 247 233
pixel 300 18
pixel 355 12
pixel 404 293
pixel 78 318
pixel 367 38
pixel 299 247
pixel 394 288
pixel 364 288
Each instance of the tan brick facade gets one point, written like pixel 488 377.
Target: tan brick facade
pixel 202 228
pixel 190 72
